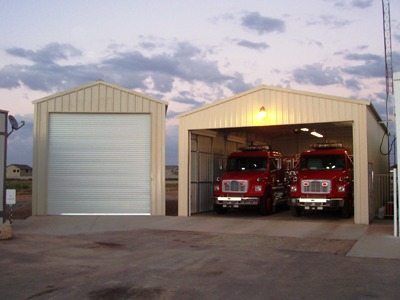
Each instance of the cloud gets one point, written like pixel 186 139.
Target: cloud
pixel 353 84
pixel 253 45
pixel 317 74
pixel 260 24
pixel 19 148
pixel 49 54
pixel 328 20
pixel 188 100
pixel 128 68
pixel 172 114
pixel 359 4
pixel 372 65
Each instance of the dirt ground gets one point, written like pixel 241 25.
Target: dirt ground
pixel 153 264
pixel 23 208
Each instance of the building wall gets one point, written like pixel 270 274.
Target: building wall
pixel 98 98
pixel 283 107
pixel 3 148
pixel 378 162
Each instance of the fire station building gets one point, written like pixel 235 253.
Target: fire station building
pixel 99 149
pixel 274 116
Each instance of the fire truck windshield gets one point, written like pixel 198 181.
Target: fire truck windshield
pixel 246 164
pixel 322 162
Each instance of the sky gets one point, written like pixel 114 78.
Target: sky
pixel 189 53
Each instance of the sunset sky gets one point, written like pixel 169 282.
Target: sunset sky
pixel 189 52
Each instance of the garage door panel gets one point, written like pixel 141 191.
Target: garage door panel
pixel 99 163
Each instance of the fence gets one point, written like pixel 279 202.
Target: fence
pixel 383 194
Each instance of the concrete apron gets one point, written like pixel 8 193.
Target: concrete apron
pixel 371 241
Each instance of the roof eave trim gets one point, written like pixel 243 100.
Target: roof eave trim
pixel 93 83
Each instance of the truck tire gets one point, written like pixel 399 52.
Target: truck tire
pixel 220 210
pixel 265 206
pixel 296 211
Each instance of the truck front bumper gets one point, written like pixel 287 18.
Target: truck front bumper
pixel 317 203
pixel 237 201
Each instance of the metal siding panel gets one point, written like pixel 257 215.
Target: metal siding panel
pixel 80 101
pixel 131 103
pixel 102 98
pixel 50 105
pixel 146 105
pixel 35 166
pixel 65 103
pixel 139 104
pixel 87 107
pixel 109 99
pixel 103 169
pixel 72 102
pixel 184 174
pixel 117 100
pixel 42 159
pixel 95 98
pixel 124 101
pixel 58 104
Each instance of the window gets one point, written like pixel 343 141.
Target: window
pixel 322 162
pixel 247 164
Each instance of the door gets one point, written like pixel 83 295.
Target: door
pixel 99 164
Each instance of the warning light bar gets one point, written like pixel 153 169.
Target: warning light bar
pixel 256 148
pixel 327 145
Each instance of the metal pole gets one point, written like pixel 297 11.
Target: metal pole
pixel 395 204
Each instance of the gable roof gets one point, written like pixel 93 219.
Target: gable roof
pixel 278 89
pixel 98 82
pixel 22 167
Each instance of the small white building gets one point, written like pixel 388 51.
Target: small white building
pixel 17 171
pixel 99 149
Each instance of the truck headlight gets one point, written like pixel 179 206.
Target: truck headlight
pixel 216 188
pixel 293 188
pixel 258 188
pixel 341 188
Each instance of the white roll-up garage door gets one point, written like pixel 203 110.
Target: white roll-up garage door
pixel 99 164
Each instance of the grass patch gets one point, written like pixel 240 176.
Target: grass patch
pixel 23 187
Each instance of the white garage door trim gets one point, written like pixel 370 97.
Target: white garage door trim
pixel 99 164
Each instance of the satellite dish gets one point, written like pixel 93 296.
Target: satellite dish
pixel 14 124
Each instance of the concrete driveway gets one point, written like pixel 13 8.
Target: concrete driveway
pixel 235 256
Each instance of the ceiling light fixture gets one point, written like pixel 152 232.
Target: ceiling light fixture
pixel 305 129
pixel 316 134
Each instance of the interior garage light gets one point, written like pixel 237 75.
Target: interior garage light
pixel 316 134
pixel 305 129
pixel 262 113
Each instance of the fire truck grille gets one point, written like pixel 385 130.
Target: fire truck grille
pixel 316 186
pixel 234 186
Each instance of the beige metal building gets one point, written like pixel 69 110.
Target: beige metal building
pixel 99 149
pixel 207 135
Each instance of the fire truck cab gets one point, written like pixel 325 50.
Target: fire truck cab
pixel 323 180
pixel 253 177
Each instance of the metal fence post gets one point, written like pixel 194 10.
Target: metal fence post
pixel 395 205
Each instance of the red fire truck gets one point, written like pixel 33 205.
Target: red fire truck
pixel 253 177
pixel 323 180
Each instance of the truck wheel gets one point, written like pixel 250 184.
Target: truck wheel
pixel 220 210
pixel 346 210
pixel 296 211
pixel 265 206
